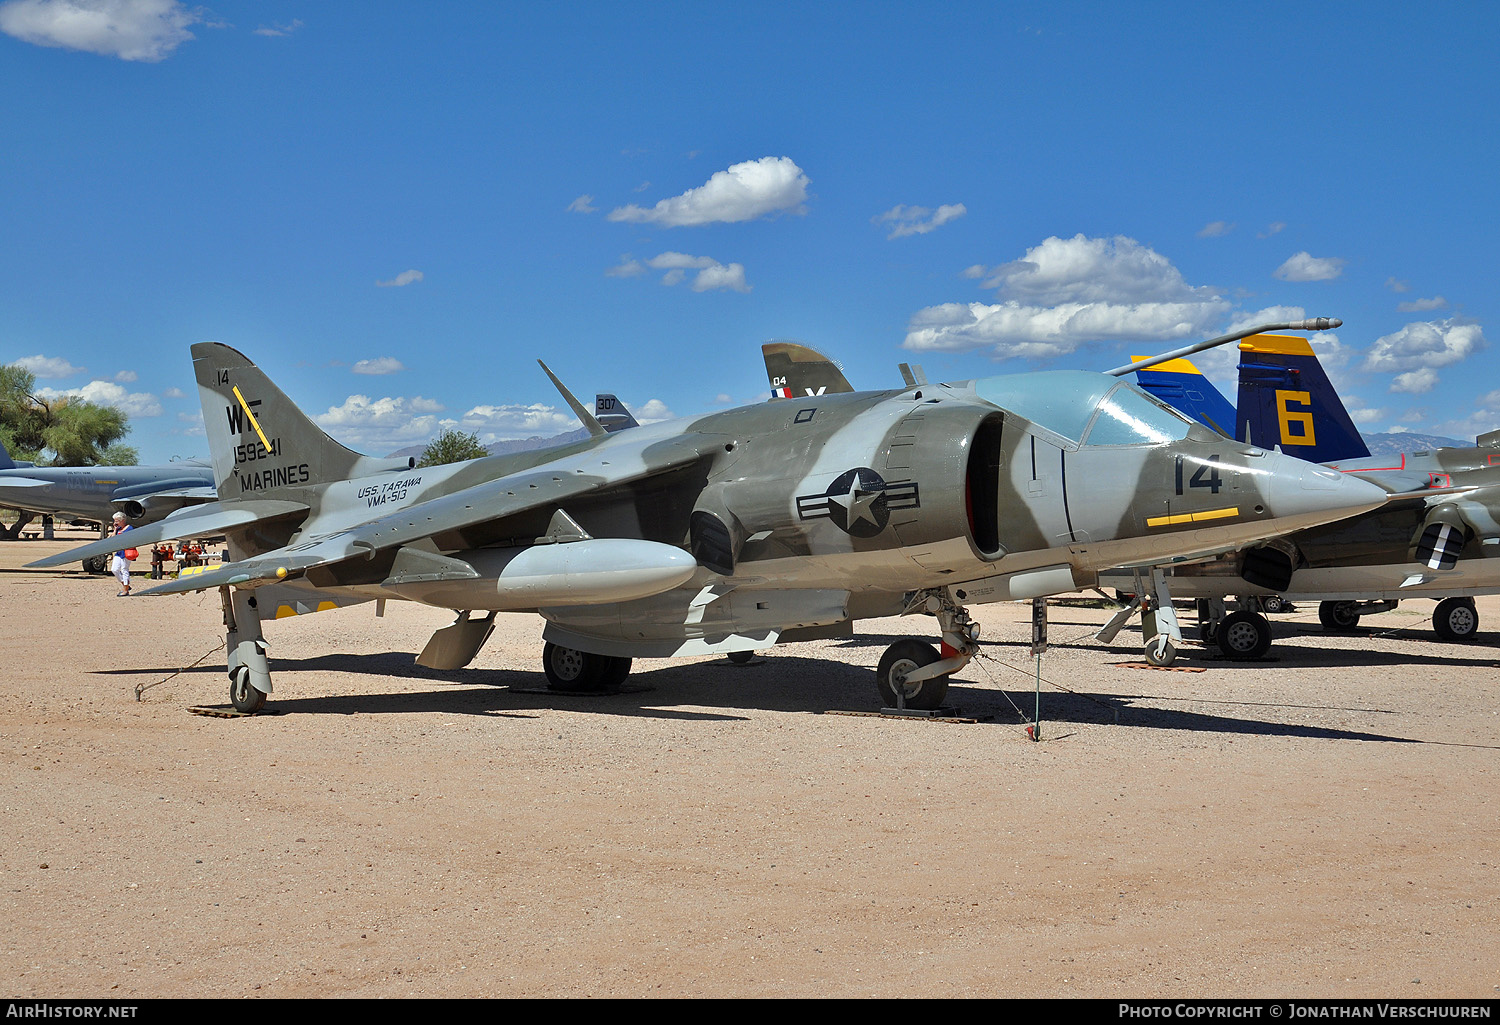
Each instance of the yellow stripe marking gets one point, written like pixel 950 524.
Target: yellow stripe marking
pixel 283 611
pixel 1172 366
pixel 1285 345
pixel 253 422
pixel 1197 517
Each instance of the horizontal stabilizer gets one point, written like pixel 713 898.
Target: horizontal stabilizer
pixel 199 521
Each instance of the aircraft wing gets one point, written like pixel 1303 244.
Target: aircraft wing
pixel 546 486
pixel 197 521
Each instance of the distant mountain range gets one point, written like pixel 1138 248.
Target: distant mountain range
pixel 1395 444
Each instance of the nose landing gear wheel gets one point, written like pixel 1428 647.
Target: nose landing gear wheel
pixel 242 695
pixel 1160 651
pixel 900 660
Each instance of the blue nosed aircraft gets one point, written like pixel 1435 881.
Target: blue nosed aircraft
pixel 732 531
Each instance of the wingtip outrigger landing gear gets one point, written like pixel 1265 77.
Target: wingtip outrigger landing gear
pixel 913 674
pixel 249 671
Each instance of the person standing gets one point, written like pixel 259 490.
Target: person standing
pixel 119 565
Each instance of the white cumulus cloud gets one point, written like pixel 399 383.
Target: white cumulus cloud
pixel 406 277
pixel 743 192
pixel 651 411
pixel 108 393
pixel 1304 266
pixel 510 421
pixel 712 275
pixel 381 424
pixel 1425 345
pixel 378 365
pixel 1064 293
pixel 918 220
pixel 133 30
pixel 1415 382
pixel 48 367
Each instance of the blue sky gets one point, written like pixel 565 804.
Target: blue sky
pixel 396 208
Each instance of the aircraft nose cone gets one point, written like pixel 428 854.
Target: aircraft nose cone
pixel 1311 494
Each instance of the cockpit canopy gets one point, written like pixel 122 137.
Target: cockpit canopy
pixel 1086 408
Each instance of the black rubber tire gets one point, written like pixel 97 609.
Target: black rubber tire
pixel 615 672
pixel 243 696
pixel 570 669
pixel 901 658
pixel 97 565
pixel 1243 636
pixel 739 658
pixel 1160 652
pixel 1455 620
pixel 1273 604
pixel 1339 616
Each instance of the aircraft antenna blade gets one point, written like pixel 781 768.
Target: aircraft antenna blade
pixel 595 428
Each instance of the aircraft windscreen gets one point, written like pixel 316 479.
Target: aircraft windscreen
pixel 1128 416
pixel 1062 401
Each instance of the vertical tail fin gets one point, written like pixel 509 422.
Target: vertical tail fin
pixel 796 371
pixel 260 442
pixel 1180 384
pixel 1287 401
pixel 612 414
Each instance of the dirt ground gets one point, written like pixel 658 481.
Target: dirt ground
pixel 1320 824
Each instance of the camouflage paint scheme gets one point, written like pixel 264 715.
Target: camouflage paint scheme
pixel 730 531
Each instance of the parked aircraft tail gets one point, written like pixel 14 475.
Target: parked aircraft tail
pixel 1181 385
pixel 1287 401
pixel 612 414
pixel 796 371
pixel 262 445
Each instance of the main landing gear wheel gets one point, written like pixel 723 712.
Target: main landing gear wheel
pixel 1456 619
pixel 1244 635
pixel 616 669
pixel 901 659
pixel 97 565
pixel 1160 651
pixel 1341 616
pixel 739 658
pixel 242 695
pixel 569 668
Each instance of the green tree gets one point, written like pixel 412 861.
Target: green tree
pixel 451 447
pixel 119 455
pixel 75 432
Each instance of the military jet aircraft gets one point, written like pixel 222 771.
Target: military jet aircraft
pixel 735 530
pixel 143 493
pixel 1439 543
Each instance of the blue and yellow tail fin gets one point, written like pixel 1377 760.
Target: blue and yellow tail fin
pixel 1286 401
pixel 1180 384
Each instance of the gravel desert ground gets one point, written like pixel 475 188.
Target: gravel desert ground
pixel 1320 824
